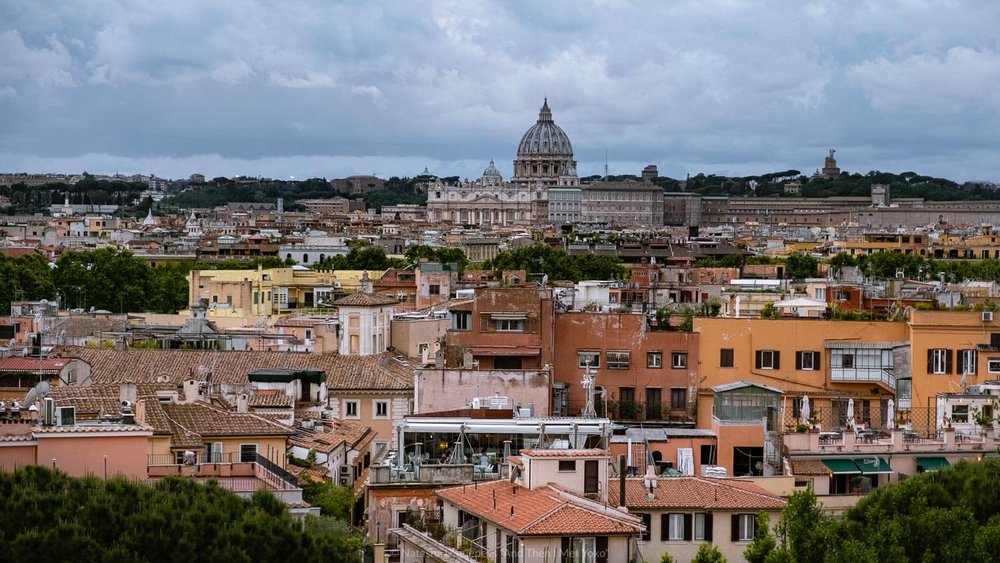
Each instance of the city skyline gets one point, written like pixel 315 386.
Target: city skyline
pixel 733 88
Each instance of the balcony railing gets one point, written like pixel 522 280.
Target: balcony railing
pixel 864 375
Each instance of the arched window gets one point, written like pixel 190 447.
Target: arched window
pixel 322 257
pixel 305 258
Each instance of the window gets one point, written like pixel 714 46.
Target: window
pixel 381 409
pixel 968 361
pixel 726 358
pixel 819 294
pixel 678 399
pixel 508 325
pixel 807 361
pixel 767 359
pixel 248 453
pixel 593 359
pixel 743 527
pixel 654 359
pixel 513 549
pixel 461 320
pixel 647 523
pixel 626 394
pixel 352 409
pixel 618 360
pixel 960 413
pixel 309 334
pixel 678 360
pixel 567 465
pixel 212 453
pixel 434 289
pixel 938 361
pixel 993 365
pixel 703 526
pixel 582 550
pixel 675 527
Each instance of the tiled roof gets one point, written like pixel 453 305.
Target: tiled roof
pixel 544 511
pixel 342 431
pixel 16 437
pixel 100 400
pixel 86 428
pixel 696 493
pixel 380 372
pixel 809 467
pixel 204 420
pixel 273 400
pixel 592 452
pixel 362 299
pixel 79 326
pixel 32 364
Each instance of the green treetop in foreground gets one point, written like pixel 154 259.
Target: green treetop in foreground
pixel 45 514
pixel 948 515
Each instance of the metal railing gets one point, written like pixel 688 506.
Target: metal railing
pixel 920 421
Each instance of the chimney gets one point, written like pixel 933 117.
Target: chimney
pixel 621 480
pixel 127 392
pixel 243 403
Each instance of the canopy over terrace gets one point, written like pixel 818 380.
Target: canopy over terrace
pixel 433 438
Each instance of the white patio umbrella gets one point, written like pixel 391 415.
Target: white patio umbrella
pixel 890 414
pixel 850 413
pixel 804 409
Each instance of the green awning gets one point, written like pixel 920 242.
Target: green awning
pixel 932 463
pixel 872 465
pixel 842 466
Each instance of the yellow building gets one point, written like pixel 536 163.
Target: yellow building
pixel 906 243
pixel 267 293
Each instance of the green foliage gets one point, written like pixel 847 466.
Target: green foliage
pixel 46 512
pixel 763 541
pixel 944 515
pixel 362 258
pixel 769 311
pixel 442 254
pixel 667 558
pixel 801 266
pixel 334 500
pixel 708 553
pixel 558 265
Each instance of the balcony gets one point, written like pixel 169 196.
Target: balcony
pixel 888 442
pixel 428 473
pixel 240 476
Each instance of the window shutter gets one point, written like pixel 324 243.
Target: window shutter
pixel 735 527
pixel 930 361
pixel 816 359
pixel 777 359
pixel 484 323
pixel 688 521
pixel 960 362
pixel 798 360
pixel 602 549
pixel 708 526
pixel 947 361
pixel 664 527
pixel 566 555
pixel 758 358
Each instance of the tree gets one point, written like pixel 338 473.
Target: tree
pixel 801 526
pixel 177 519
pixel 801 266
pixel 769 311
pixel 708 553
pixel 763 541
pixel 334 500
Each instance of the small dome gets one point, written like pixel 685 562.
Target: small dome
pixel 491 175
pixel 545 137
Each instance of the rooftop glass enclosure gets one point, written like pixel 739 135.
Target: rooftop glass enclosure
pixel 457 440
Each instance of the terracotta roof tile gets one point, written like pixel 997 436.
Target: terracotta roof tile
pixel 696 493
pixel 543 511
pixel 592 452
pixel 11 365
pixel 380 372
pixel 361 299
pixel 809 467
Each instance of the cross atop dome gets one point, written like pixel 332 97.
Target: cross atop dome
pixel 545 114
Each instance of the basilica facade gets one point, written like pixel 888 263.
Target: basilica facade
pixel 544 160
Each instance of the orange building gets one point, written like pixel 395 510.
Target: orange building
pixel 644 374
pixel 755 373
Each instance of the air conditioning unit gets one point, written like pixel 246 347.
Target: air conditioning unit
pixel 987 316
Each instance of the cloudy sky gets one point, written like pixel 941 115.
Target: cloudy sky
pixel 324 88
